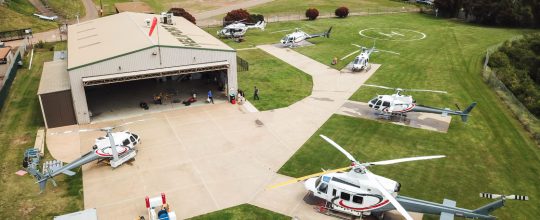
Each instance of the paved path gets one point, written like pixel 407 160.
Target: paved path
pixel 213 157
pixel 91 10
pixel 428 121
pixel 223 10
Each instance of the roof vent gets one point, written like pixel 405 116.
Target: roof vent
pixel 166 18
pixel 148 22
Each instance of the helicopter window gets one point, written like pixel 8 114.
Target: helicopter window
pixel 379 103
pixel 373 101
pixel 135 136
pixel 345 196
pixel 323 188
pixel 358 199
pixel 387 104
pixel 317 181
pixel 132 139
pixel 334 192
pixel 125 142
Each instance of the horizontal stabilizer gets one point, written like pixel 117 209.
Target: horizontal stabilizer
pixel 446 215
pixel 68 172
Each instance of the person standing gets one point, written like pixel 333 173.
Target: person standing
pixel 210 97
pixel 256 94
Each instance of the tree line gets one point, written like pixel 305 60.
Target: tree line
pixel 517 65
pixel 523 13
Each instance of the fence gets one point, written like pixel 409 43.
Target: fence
pixel 10 75
pixel 242 65
pixel 527 119
pixel 301 16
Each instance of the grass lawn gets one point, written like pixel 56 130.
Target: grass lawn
pixel 491 153
pixel 245 211
pixel 279 83
pixel 18 15
pixel 19 120
pixel 67 8
pixel 325 7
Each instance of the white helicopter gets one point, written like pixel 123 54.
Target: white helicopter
pixel 399 104
pixel 124 149
pixel 359 192
pixel 238 29
pixel 361 62
pixel 292 39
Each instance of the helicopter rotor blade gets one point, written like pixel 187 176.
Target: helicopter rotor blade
pixel 343 151
pixel 426 90
pixel 387 195
pixel 394 161
pixel 280 31
pixel 307 177
pixel 376 86
pixel 348 55
pixel 356 45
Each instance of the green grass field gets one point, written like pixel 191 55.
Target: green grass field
pixel 245 211
pixel 279 83
pixel 19 120
pixel 67 8
pixel 491 153
pixel 17 14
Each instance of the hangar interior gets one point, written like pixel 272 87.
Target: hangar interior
pixel 109 101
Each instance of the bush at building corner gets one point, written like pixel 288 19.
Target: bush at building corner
pixel 183 13
pixel 312 13
pixel 237 15
pixel 342 12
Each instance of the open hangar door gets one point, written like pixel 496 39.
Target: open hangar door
pixel 109 99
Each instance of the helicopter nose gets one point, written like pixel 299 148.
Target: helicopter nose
pixel 310 185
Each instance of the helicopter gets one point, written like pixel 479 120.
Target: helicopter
pixel 292 39
pixel 361 62
pixel 125 149
pixel 398 104
pixel 238 29
pixel 359 192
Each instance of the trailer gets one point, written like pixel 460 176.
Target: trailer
pixel 15 34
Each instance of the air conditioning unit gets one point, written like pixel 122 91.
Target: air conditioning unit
pixel 166 18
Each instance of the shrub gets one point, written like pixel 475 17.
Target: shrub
pixel 256 17
pixel 182 13
pixel 312 13
pixel 342 12
pixel 237 15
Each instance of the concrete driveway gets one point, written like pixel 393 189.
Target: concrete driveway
pixel 212 157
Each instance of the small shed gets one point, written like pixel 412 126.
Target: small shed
pixel 140 7
pixel 54 94
pixel 88 214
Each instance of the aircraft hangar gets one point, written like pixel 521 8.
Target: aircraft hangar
pixel 114 65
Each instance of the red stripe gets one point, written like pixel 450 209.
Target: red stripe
pixel 108 155
pixel 366 208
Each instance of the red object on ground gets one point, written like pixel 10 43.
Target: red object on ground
pixel 233 101
pixel 163 198
pixel 147 202
pixel 153 26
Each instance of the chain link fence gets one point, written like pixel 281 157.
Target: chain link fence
pixel 527 119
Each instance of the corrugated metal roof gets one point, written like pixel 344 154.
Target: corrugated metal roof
pixel 88 214
pixel 120 34
pixel 54 77
pixel 141 7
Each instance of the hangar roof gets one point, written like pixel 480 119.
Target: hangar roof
pixel 54 77
pixel 127 32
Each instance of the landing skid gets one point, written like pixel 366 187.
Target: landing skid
pixel 394 117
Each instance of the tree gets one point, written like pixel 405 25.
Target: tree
pixel 448 8
pixel 182 13
pixel 237 15
pixel 312 13
pixel 342 12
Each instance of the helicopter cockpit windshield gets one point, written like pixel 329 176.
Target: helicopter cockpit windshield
pixel 375 103
pixel 358 60
pixel 287 39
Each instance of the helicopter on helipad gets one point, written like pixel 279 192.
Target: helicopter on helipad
pixel 359 192
pixel 361 62
pixel 124 150
pixel 294 38
pixel 399 104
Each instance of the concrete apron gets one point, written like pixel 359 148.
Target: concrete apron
pixel 209 158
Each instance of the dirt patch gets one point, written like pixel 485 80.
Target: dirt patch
pixel 20 140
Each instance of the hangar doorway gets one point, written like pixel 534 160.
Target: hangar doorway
pixel 111 101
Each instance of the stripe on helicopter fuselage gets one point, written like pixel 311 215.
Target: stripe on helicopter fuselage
pixel 366 208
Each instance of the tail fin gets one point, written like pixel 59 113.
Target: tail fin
pixel 485 210
pixel 327 33
pixel 41 178
pixel 465 114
